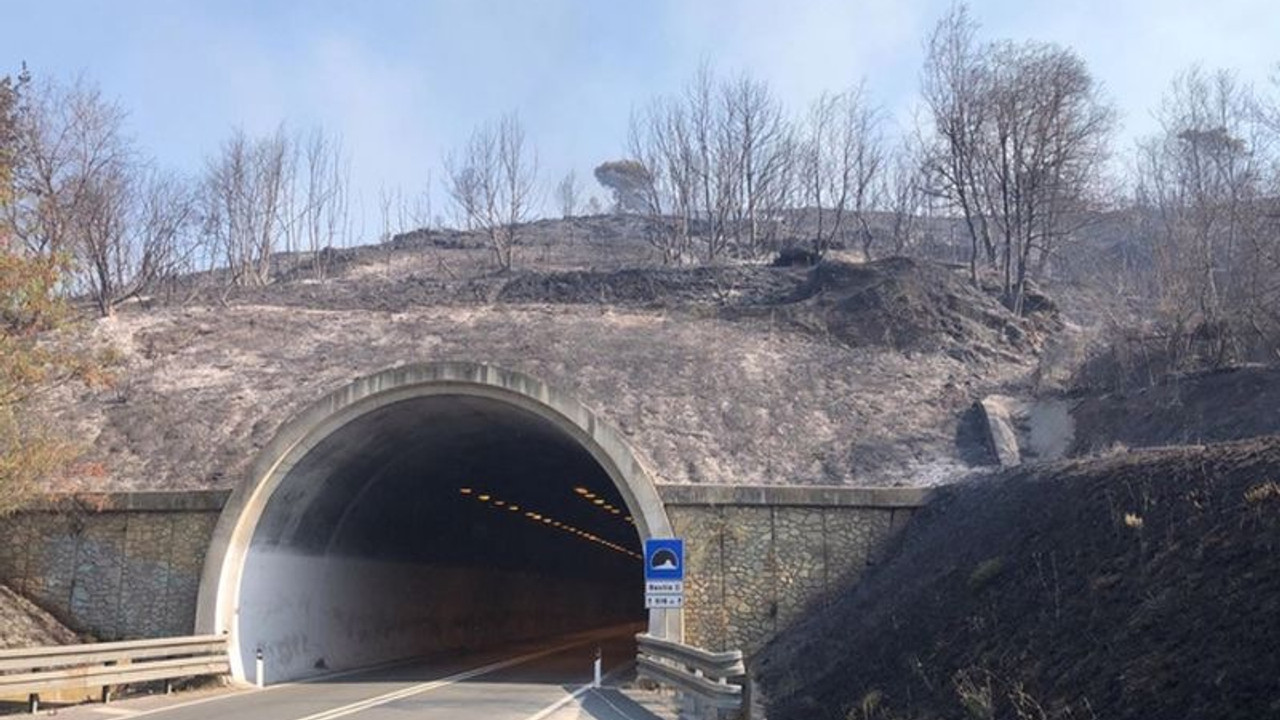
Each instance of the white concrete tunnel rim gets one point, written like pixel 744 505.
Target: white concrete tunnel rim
pixel 224 564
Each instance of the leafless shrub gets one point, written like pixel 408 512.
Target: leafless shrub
pixel 567 192
pixel 1019 135
pixel 491 182
pixel 324 217
pixel 841 158
pixel 242 199
pixel 82 189
pixel 1206 195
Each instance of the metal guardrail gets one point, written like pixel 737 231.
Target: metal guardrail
pixel 30 671
pixel 701 674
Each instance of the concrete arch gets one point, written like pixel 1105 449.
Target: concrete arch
pixel 220 588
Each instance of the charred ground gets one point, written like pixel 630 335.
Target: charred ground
pixel 1142 585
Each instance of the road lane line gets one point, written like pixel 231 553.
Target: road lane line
pixel 238 690
pixel 543 713
pixel 403 693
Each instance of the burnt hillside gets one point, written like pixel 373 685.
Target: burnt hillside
pixel 740 373
pixel 1143 585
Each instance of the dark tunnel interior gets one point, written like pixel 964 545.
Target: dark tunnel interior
pixel 433 525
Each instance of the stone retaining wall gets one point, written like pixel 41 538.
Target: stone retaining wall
pixel 113 566
pixel 128 565
pixel 758 557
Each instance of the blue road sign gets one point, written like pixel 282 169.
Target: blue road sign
pixel 664 559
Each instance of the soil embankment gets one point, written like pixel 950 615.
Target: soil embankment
pixel 23 624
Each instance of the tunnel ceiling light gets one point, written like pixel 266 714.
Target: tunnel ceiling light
pixel 603 504
pixel 551 522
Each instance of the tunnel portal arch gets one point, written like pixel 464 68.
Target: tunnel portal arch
pixel 224 568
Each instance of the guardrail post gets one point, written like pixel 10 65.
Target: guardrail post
pixel 689 707
pixel 750 698
pixel 106 689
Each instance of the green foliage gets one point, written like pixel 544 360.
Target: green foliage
pixel 31 457
pixel 31 308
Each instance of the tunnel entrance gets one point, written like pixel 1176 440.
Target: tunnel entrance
pixel 429 510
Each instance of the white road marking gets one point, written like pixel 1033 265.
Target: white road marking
pixel 560 703
pixel 114 711
pixel 403 693
pixel 543 713
pixel 244 689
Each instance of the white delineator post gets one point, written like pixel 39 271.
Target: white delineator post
pixel 596 680
pixel 260 669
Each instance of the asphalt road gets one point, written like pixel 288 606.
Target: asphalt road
pixel 547 680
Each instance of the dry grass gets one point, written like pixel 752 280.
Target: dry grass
pixel 703 400
pixel 731 374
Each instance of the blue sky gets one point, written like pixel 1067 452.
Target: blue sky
pixel 402 82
